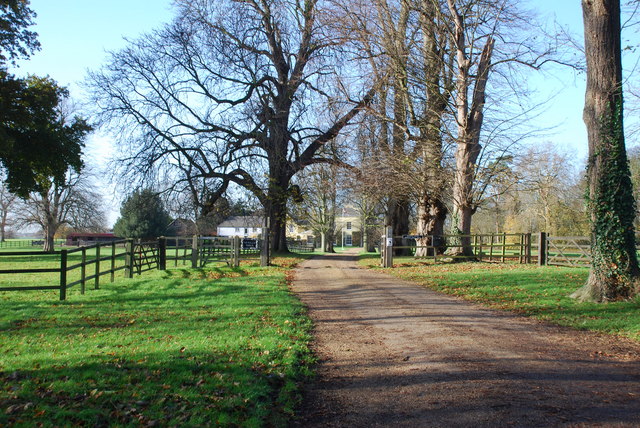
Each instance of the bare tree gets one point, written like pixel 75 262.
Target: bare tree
pixel 614 272
pixel 319 187
pixel 491 40
pixel 72 202
pixel 231 92
pixel 7 205
pixel 469 104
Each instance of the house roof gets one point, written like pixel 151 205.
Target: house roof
pixel 181 227
pixel 253 221
pixel 347 211
pixel 92 235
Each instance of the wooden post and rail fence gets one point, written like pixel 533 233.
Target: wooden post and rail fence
pixel 525 248
pixel 87 265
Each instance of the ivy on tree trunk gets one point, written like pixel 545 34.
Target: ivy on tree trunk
pixel 610 201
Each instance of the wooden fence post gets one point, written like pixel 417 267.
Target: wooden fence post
pixel 528 249
pixel 83 271
pixel 162 253
pixel 542 249
pixel 236 245
pixel 97 280
pixel 113 261
pixel 434 248
pixel 194 251
pixel 475 245
pixel 265 260
pixel 491 248
pixel 128 258
pixel 504 245
pixel 388 248
pixel 63 275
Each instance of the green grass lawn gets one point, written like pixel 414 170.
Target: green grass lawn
pixel 184 347
pixel 540 292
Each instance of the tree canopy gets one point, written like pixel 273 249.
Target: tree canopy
pixel 16 40
pixel 142 215
pixel 231 92
pixel 37 143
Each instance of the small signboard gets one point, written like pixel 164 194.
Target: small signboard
pixel 389 242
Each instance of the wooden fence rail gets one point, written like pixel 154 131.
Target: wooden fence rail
pixel 22 243
pixel 485 247
pixel 85 264
pixel 568 251
pixel 66 270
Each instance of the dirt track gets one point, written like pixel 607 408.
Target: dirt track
pixel 395 354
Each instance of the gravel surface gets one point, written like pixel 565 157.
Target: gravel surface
pixel 395 354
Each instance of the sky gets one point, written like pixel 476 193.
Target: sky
pixel 75 35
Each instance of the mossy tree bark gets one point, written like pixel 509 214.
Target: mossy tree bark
pixel 614 272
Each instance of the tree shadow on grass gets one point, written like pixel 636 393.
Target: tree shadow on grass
pixel 172 388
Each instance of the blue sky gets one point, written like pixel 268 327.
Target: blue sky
pixel 76 33
pixel 75 36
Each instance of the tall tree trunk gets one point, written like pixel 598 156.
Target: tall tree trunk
pixel 614 270
pixel 49 234
pixel 276 208
pixel 469 120
pixel 398 219
pixel 431 216
pixel 431 209
pixel 463 208
pixel 277 214
pixel 3 226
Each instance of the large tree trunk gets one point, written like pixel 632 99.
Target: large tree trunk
pixel 431 216
pixel 614 270
pixel 3 227
pixel 432 211
pixel 398 219
pixel 276 205
pixel 49 235
pixel 463 209
pixel 277 214
pixel 469 119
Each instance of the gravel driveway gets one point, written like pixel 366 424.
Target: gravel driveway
pixel 395 354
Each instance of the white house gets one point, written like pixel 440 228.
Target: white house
pixel 251 227
pixel 245 226
pixel 348 227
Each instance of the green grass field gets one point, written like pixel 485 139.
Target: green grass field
pixel 540 292
pixel 184 347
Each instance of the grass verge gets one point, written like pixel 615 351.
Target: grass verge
pixel 184 347
pixel 540 292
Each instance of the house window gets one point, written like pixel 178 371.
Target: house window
pixel 348 241
pixel 349 227
pixel 237 230
pixel 291 228
pixel 246 231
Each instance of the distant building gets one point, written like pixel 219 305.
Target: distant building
pixel 181 227
pixel 348 227
pixel 299 231
pixel 82 239
pixel 245 226
pixel 251 227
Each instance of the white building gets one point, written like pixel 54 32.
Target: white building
pixel 245 226
pixel 348 227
